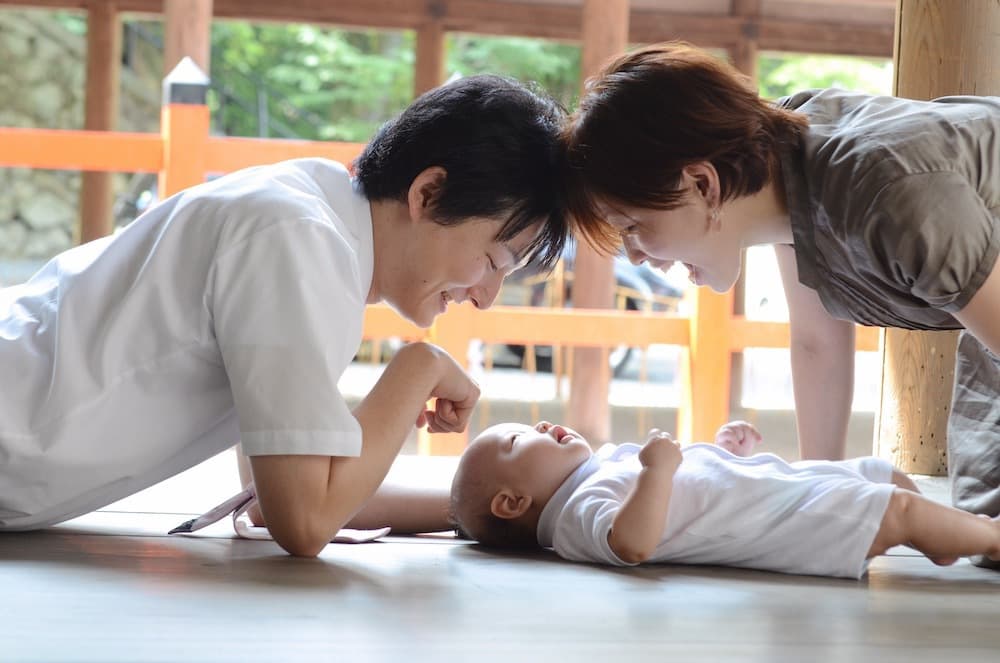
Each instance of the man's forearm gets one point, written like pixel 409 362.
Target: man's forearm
pixel 639 525
pixel 306 499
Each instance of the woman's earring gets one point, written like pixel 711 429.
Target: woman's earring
pixel 715 219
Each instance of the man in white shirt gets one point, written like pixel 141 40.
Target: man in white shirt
pixel 228 313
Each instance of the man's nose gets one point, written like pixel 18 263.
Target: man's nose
pixel 484 294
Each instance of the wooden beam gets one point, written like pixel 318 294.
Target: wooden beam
pixel 100 113
pixel 187 33
pixel 428 71
pixel 605 34
pixel 554 21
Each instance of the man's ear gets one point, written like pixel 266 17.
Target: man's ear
pixel 508 505
pixel 425 190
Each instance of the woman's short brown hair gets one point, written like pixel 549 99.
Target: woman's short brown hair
pixel 653 111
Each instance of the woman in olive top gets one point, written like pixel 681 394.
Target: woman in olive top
pixel 882 211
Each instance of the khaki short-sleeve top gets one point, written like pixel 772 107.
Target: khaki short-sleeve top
pixel 894 204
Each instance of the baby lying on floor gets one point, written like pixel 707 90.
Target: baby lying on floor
pixel 523 486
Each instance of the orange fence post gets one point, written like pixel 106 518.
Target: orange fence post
pixel 452 331
pixel 184 123
pixel 706 367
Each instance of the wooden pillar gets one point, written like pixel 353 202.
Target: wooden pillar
pixel 430 57
pixel 184 124
pixel 744 55
pixel 187 33
pixel 744 52
pixel 605 34
pixel 104 46
pixel 942 47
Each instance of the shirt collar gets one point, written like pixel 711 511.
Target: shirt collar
pixel 547 520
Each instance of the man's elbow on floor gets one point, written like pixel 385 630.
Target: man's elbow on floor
pixel 302 540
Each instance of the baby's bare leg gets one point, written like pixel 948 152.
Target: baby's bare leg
pixel 941 532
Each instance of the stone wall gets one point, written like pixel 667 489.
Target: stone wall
pixel 42 79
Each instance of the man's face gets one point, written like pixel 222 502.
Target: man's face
pixel 459 263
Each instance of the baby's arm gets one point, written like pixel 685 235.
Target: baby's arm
pixel 642 518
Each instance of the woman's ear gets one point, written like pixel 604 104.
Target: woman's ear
pixel 508 505
pixel 425 190
pixel 705 179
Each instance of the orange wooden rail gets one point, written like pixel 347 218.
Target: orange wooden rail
pixel 184 153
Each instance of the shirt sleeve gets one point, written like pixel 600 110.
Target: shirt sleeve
pixel 935 237
pixel 582 528
pixel 288 310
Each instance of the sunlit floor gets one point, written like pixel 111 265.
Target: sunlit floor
pixel 112 587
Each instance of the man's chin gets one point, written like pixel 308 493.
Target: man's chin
pixel 422 319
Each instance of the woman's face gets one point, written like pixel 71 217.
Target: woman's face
pixel 686 234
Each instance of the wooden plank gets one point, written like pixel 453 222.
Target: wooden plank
pixel 100 114
pixel 62 149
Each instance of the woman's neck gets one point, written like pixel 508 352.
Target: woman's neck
pixel 763 216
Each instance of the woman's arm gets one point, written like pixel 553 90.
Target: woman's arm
pixel 822 352
pixel 640 522
pixel 981 316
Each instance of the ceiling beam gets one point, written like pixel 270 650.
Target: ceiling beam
pixel 548 21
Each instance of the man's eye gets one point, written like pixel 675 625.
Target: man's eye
pixel 493 265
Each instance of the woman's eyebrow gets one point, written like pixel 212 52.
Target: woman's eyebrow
pixel 519 259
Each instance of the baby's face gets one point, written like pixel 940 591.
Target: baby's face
pixel 539 456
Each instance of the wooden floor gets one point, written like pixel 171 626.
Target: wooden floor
pixel 112 587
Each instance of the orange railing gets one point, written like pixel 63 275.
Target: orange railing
pixel 183 153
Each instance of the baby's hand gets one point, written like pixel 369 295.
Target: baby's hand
pixel 660 451
pixel 738 438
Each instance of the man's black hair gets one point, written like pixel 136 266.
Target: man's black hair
pixel 498 141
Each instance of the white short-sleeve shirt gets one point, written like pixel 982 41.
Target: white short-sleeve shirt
pixel 810 517
pixel 227 313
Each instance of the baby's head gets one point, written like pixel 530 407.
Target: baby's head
pixel 507 476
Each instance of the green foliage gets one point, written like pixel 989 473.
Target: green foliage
pixel 334 84
pixel 315 83
pixel 555 67
pixel 781 74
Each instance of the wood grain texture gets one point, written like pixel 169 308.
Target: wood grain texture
pixel 943 47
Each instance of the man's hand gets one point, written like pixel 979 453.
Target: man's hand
pixel 738 438
pixel 660 452
pixel 455 394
